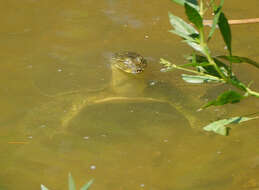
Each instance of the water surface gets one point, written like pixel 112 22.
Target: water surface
pixel 51 48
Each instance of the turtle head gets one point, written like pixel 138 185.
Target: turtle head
pixel 127 79
pixel 129 62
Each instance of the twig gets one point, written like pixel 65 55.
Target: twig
pixel 238 21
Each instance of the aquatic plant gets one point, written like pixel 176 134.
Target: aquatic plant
pixel 204 67
pixel 71 184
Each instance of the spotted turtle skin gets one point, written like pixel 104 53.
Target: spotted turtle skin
pixel 129 62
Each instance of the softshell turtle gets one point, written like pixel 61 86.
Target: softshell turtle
pixel 128 84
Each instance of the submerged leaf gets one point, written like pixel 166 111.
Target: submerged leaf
pixel 195 79
pixel 43 187
pixel 71 182
pixel 87 185
pixel 225 31
pixel 220 128
pixel 225 98
pixel 193 15
pixel 217 127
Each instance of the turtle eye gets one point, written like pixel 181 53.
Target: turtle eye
pixel 138 60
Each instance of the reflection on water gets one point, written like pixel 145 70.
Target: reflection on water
pixel 54 55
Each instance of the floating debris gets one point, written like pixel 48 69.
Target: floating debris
pixel 93 167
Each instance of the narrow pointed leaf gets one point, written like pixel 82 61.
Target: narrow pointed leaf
pixel 193 3
pixel 238 59
pixel 209 69
pixel 196 79
pixel 225 31
pixel 219 127
pixel 215 22
pixel 87 185
pixel 43 187
pixel 194 45
pixel 194 61
pixel 225 98
pixel 234 81
pixel 232 59
pixel 220 5
pixel 183 35
pixel 193 16
pixel 186 31
pixel 71 182
pixel 181 26
pixel 203 64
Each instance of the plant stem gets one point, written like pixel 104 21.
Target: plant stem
pixel 252 93
pixel 205 47
pixel 210 4
pixel 201 8
pixel 191 71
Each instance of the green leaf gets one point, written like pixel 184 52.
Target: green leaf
pixel 87 185
pixel 225 98
pixel 192 3
pixel 232 59
pixel 195 79
pixel 234 81
pixel 181 26
pixel 186 31
pixel 219 127
pixel 203 64
pixel 209 69
pixel 181 2
pixel 194 61
pixel 193 38
pixel 225 31
pixel 193 15
pixel 194 45
pixel 238 59
pixel 183 35
pixel 249 61
pixel 43 187
pixel 217 13
pixel 71 182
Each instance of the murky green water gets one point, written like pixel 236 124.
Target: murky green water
pixel 54 56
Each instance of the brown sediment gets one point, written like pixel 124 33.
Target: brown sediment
pixel 17 142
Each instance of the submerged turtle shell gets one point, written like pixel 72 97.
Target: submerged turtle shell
pixel 129 119
pixel 62 110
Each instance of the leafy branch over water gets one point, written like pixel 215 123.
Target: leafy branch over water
pixel 204 67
